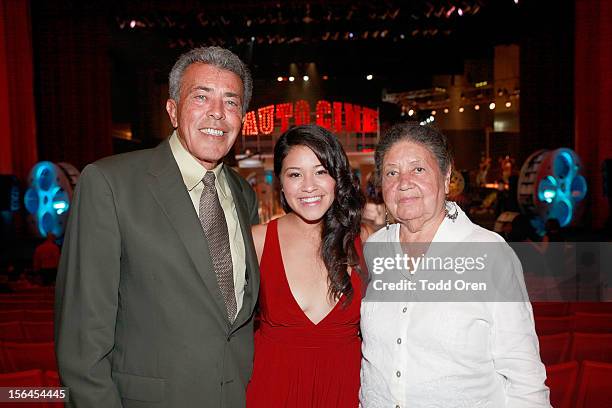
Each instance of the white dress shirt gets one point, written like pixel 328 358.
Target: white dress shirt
pixel 193 173
pixel 450 355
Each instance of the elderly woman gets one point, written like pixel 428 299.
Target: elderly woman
pixel 441 353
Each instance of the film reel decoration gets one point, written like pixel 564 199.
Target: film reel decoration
pixel 49 196
pixel 551 185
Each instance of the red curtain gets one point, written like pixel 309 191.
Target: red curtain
pixel 18 151
pixel 71 48
pixel 593 93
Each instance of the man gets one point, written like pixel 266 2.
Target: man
pixel 158 277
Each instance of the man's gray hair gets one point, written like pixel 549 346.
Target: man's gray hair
pixel 215 56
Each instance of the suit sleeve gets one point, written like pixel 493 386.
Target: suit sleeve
pixel 253 206
pixel 87 294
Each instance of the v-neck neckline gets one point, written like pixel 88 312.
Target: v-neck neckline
pixel 288 286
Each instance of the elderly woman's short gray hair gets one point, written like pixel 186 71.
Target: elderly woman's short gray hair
pixel 426 135
pixel 218 57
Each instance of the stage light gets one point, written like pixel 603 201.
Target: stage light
pixel 461 109
pixel 291 79
pixel 369 77
pixel 132 23
pixel 476 107
pixel 433 112
pixel 279 79
pixel 445 110
pixel 351 35
pixel 460 12
pixel 325 77
pixel 547 189
pixel 252 38
pixel 305 78
pixel 411 112
pixel 508 104
pixel 492 105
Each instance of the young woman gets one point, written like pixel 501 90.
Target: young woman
pixel 307 347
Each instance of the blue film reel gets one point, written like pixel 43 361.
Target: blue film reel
pixel 47 198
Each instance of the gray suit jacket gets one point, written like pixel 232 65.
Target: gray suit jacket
pixel 140 320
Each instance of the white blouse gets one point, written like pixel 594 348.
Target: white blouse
pixel 450 355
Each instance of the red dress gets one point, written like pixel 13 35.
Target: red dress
pixel 297 363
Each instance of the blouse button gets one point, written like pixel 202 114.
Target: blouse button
pixel 398 374
pixel 399 341
pixel 404 310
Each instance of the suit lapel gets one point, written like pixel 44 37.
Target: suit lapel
pixel 252 277
pixel 169 191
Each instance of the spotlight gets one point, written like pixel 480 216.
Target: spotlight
pixel 445 110
pixel 433 112
pixel 508 104
pixel 133 23
pixel 476 107
pixel 411 112
pixel 252 38
pixel 369 77
pixel 460 12
pixel 492 105
pixel 461 109
pixel 325 77
pixel 291 79
pixel 305 78
pixel 279 79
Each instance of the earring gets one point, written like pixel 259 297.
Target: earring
pixel 386 220
pixel 447 213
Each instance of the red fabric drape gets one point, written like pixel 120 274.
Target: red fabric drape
pixel 593 90
pixel 6 155
pixel 18 151
pixel 71 44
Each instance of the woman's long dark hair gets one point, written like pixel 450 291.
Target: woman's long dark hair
pixel 342 221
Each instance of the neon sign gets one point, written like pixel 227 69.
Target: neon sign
pixel 334 116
